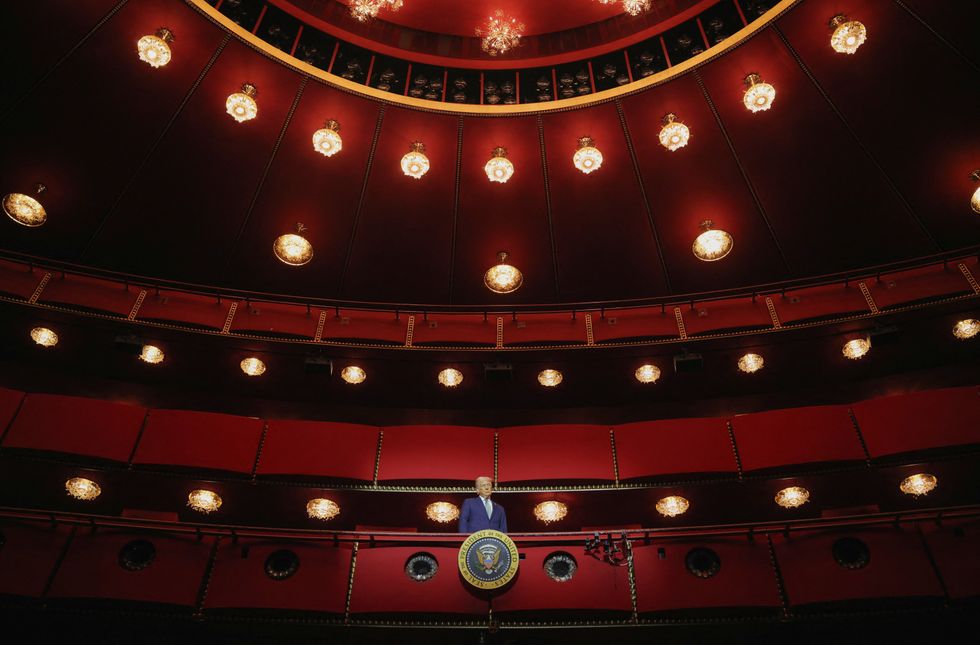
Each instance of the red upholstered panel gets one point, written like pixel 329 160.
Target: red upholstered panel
pixel 955 547
pixel 91 568
pixel 90 293
pixel 920 420
pixel 899 566
pixel 366 325
pixel 18 280
pixel 745 579
pixel 186 308
pixel 796 436
pixel 321 449
pixel 674 446
pixel 448 329
pixel 29 556
pixel 917 284
pixel 381 586
pixel 271 318
pixel 9 403
pixel 319 584
pixel 819 302
pixel 717 315
pixel 634 323
pixel 543 328
pixel 595 585
pixel 199 439
pixel 75 425
pixel 554 452
pixel 436 452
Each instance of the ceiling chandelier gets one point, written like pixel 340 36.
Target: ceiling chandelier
pixel 793 497
pixel 322 509
pixel 966 329
pixel 442 512
pixel 415 163
pixel 24 209
pixel 549 377
pixel 293 249
pixel 587 158
pixel 848 34
pixel 83 489
pixel 672 506
pixel 502 277
pixel 252 366
pixel 632 7
pixel 855 349
pixel 362 10
pixel 44 337
pixel 450 377
pixel 154 50
pixel 241 105
pixel 353 374
pixel 918 484
pixel 647 373
pixel 151 354
pixel 712 244
pixel 550 511
pixel 674 134
pixel 975 200
pixel 204 501
pixel 499 169
pixel 751 363
pixel 759 96
pixel 500 34
pixel 327 139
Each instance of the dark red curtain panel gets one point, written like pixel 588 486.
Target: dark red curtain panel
pixel 280 319
pixel 465 329
pixel 796 436
pixel 76 425
pixel 319 449
pixel 916 285
pixel 920 420
pixel 92 569
pixel 90 293
pixel 436 453
pixel 649 322
pixel 675 446
pixel 239 578
pixel 366 325
pixel 537 328
pixel 29 556
pixel 200 440
pixel 550 452
pixel 188 308
pixel 955 546
pixel 819 302
pixel 719 315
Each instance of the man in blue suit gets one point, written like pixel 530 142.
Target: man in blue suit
pixel 480 513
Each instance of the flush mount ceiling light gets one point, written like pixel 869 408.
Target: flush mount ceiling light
pixel 322 509
pixel 712 244
pixel 327 139
pixel 855 349
pixel 674 134
pixel 44 337
pixel 848 34
pixel 966 329
pixel 751 363
pixel 154 50
pixel 204 501
pixel 152 354
pixel 363 10
pixel 502 277
pixel 353 374
pixel 241 105
pixel 672 506
pixel 759 96
pixel 587 158
pixel 500 34
pixel 83 489
pixel 549 377
pixel 647 373
pixel 24 209
pixel 442 512
pixel 499 169
pixel 975 200
pixel 253 366
pixel 292 248
pixel 550 511
pixel 793 497
pixel 450 377
pixel 415 163
pixel 918 484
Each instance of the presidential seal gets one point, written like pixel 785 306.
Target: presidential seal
pixel 488 559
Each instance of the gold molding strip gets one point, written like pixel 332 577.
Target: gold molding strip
pixel 136 305
pixel 615 458
pixel 319 327
pixel 772 313
pixel 731 440
pixel 867 298
pixel 202 592
pixel 500 332
pixel 631 577
pixel 969 278
pixel 40 287
pixel 377 457
pixel 350 581
pixel 410 331
pixel 496 454
pixel 230 317
pixel 682 330
pixel 780 587
pixel 589 332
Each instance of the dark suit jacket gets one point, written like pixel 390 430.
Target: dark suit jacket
pixel 474 518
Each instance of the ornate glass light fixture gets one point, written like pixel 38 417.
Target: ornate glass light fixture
pixel 24 209
pixel 550 511
pixel 793 497
pixel 647 373
pixel 632 7
pixel 327 139
pixel 918 484
pixel 501 34
pixel 442 512
pixel 549 377
pixel 672 506
pixel 966 329
pixel 415 163
pixel 152 354
pixel 713 244
pixel 759 96
pixel 674 134
pixel 322 509
pixel 503 277
pixel 751 363
pixel 253 366
pixel 204 501
pixel 353 374
pixel 292 248
pixel 83 489
pixel 848 34
pixel 587 158
pixel 241 105
pixel 363 10
pixel 450 377
pixel 975 200
pixel 44 337
pixel 154 50
pixel 499 168
pixel 855 349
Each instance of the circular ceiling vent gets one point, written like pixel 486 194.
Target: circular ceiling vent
pixel 851 553
pixel 421 567
pixel 560 566
pixel 702 562
pixel 281 564
pixel 137 555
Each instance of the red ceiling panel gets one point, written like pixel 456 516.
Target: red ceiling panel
pixel 455 329
pixel 90 293
pixel 917 285
pixel 323 449
pixel 173 306
pixel 28 556
pixel 271 318
pixel 796 436
pixel 672 447
pixel 814 303
pixel 18 280
pixel 76 426
pixel 717 315
pixel 348 324
pixel 535 453
pixel 622 324
pixel 948 23
pixel 540 328
pixel 436 453
pixel 10 401
pixel 199 440
pixel 955 546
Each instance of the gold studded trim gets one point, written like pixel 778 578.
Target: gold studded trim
pixel 867 297
pixel 40 287
pixel 136 305
pixel 589 335
pixel 500 332
pixel 772 313
pixel 681 329
pixel 615 458
pixel 969 278
pixel 350 581
pixel 377 458
pixel 230 317
pixel 319 327
pixel 410 332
